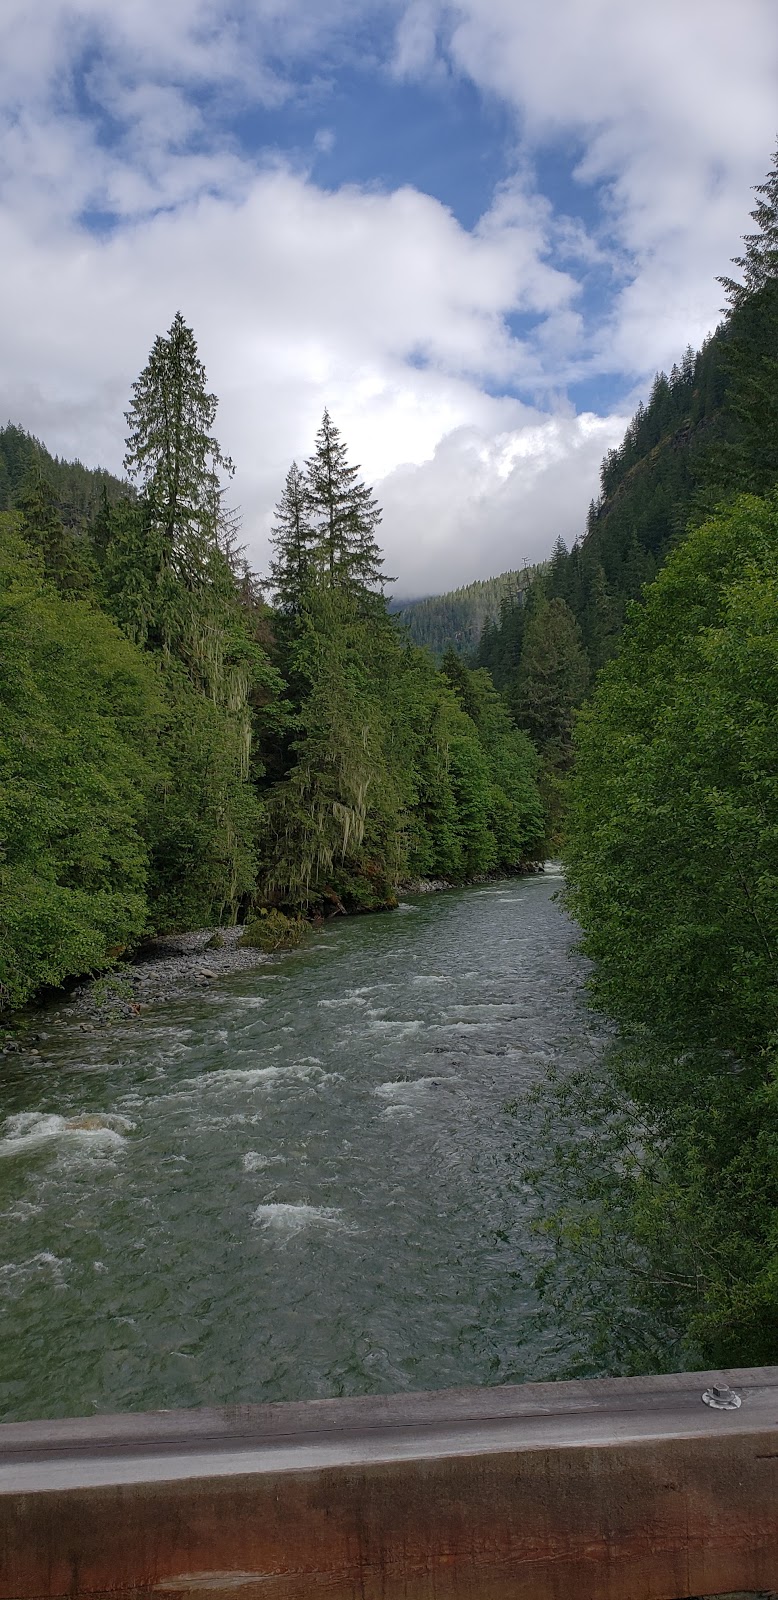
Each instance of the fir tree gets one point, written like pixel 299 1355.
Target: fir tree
pixel 292 540
pixel 172 453
pixel 760 262
pixel 344 517
pixel 66 554
pixel 552 680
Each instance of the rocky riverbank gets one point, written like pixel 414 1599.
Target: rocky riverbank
pixel 167 968
pixel 164 970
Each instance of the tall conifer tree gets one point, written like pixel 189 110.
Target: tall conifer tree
pixel 292 541
pixel 760 262
pixel 344 516
pixel 172 454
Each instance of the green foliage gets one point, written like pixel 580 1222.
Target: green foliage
pixel 457 620
pixel 79 491
pixel 271 930
pixel 377 765
pixel 334 824
pixel 673 860
pixel 204 819
pixel 293 541
pixel 390 769
pixel 343 518
pixel 552 678
pixel 171 452
pixel 171 578
pixel 66 553
pixel 747 453
pixel 396 770
pixel 514 807
pixel 78 708
pixel 759 265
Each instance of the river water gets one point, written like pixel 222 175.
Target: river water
pixel 303 1182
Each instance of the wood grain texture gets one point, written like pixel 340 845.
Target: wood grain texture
pixel 616 1490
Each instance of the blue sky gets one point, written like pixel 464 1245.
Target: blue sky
pixel 474 230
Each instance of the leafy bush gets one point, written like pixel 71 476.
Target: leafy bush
pixel 673 863
pixel 78 704
pixel 272 930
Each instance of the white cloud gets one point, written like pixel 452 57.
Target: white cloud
pixel 673 110
pixel 378 304
pixel 488 499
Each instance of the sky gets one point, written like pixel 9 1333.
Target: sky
pixel 473 230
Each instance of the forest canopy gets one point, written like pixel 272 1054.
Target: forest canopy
pixel 176 752
pixel 672 838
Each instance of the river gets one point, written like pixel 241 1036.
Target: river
pixel 303 1182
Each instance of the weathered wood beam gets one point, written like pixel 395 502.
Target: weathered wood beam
pixel 623 1489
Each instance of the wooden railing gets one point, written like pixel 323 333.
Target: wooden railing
pixel 625 1489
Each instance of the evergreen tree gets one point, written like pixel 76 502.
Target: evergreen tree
pixel 101 525
pixel 172 453
pixel 552 679
pixel 292 540
pixel 759 264
pixel 335 828
pixel 67 556
pixel 344 517
pixel 173 579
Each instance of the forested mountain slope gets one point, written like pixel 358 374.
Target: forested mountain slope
pixel 455 620
pixel 77 491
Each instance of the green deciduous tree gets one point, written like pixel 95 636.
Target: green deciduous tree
pixel 79 710
pixel 673 860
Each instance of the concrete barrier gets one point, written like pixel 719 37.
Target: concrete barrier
pixel 625 1489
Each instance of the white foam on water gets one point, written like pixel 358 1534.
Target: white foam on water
pixel 235 1119
pixel 404 906
pixel 307 1068
pixel 381 1025
pixel 286 1220
pixel 29 1130
pixel 228 1078
pixel 22 1211
pixel 352 999
pixel 406 1088
pixel 255 1161
pixel 430 977
pixel 17 1274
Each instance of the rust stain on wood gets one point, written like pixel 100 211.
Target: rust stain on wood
pixel 628 1490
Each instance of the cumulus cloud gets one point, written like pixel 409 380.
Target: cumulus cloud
pixel 380 305
pixel 443 352
pixel 671 109
pixel 488 499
